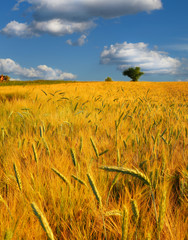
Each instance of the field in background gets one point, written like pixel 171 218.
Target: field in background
pixel 36 82
pixel 94 161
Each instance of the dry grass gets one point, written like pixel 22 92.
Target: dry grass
pixel 51 136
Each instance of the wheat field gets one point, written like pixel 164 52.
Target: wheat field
pixel 94 161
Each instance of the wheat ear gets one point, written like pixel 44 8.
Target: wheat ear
pixel 79 180
pixel 94 147
pixel 135 211
pixel 62 177
pixel 35 153
pixel 125 224
pixel 98 197
pixel 46 146
pixel 134 207
pixel 94 189
pixel 17 175
pixel 135 173
pixel 113 213
pixel 73 155
pixel 162 209
pixel 43 221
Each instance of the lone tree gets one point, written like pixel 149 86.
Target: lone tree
pixel 133 73
pixel 4 78
pixel 108 79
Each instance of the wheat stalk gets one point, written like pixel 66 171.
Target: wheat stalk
pixel 135 173
pixel 46 146
pixel 105 151
pixel 134 207
pixel 94 189
pixel 35 153
pixel 112 185
pixel 125 224
pixel 98 197
pixel 113 213
pixel 41 131
pixel 73 155
pixel 118 158
pixel 94 147
pixel 61 176
pixel 17 175
pixel 43 221
pixel 44 92
pixel 79 180
pixel 135 211
pixel 81 143
pixel 162 209
pixel 155 181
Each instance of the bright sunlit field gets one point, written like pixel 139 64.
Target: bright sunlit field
pixel 88 161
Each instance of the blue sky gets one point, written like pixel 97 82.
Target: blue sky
pixel 88 40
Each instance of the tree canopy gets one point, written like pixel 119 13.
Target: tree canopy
pixel 108 79
pixel 133 73
pixel 4 78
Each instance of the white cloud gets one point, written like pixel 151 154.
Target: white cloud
pixel 18 29
pixel 81 41
pixel 86 9
pixel 8 66
pixel 57 27
pixel 60 17
pixel 61 27
pixel 15 79
pixel 138 54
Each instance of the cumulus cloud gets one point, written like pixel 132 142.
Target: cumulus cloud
pixel 81 41
pixel 61 27
pixel 76 10
pixel 138 54
pixel 57 27
pixel 18 29
pixel 60 17
pixel 9 66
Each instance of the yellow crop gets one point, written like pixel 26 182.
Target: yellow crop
pixel 78 128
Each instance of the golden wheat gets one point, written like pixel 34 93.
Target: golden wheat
pixel 43 221
pixel 140 137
